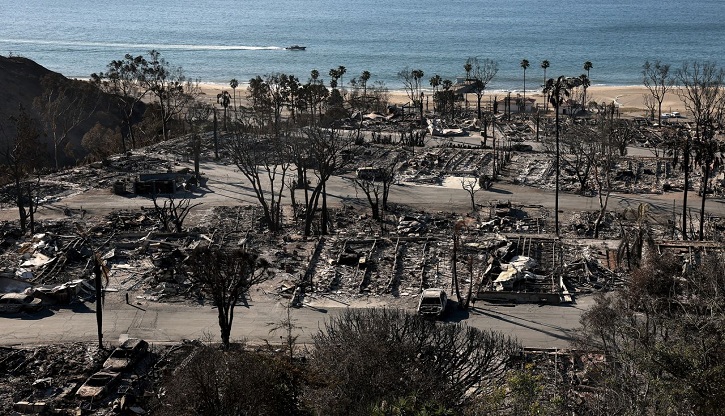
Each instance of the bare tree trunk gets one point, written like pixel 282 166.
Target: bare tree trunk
pixel 324 209
pixel 311 207
pixel 704 196
pixel 470 286
pixel 21 206
pixel 31 209
pixel 454 269
pixel 602 212
pixel 197 150
pixel 225 324
pixel 216 137
pixel 686 165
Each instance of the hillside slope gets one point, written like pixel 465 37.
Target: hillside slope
pixel 21 83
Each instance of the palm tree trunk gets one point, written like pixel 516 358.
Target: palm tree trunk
pixel 524 90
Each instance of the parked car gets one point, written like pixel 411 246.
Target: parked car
pixel 126 354
pixel 432 303
pixel 19 302
pixel 98 385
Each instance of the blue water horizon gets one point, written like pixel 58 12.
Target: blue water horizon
pixel 217 40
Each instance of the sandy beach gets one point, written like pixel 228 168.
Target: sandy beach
pixel 629 98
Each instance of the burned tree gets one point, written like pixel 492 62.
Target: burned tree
pixel 231 383
pixel 226 277
pixel 656 77
pixel 411 79
pixel 196 115
pixel 608 152
pixel 375 182
pixel 101 142
pixel 224 98
pixel 579 145
pixel 264 160
pixel 368 182
pixel 703 94
pixel 173 91
pixel 471 186
pixel 481 74
pixel 63 106
pixel 329 150
pixel 270 96
pixel 173 212
pixel 124 79
pixel 662 338
pixel 405 355
pixel 20 158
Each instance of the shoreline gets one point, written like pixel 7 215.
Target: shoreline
pixel 630 98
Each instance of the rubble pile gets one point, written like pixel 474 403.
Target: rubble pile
pixel 505 217
pixel 47 376
pixel 398 267
pixel 434 165
pixel 582 224
pixel 635 175
pixel 579 371
pixel 539 265
pixel 46 379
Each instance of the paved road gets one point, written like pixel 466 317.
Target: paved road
pixel 533 325
pixel 227 187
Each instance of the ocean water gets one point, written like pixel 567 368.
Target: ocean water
pixel 217 40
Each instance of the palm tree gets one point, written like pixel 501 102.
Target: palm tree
pixel 223 99
pixel 315 91
pixel 364 78
pixel 334 76
pixel 525 65
pixel 558 91
pixel 234 84
pixel 467 67
pixel 341 70
pixel 587 67
pixel 544 65
pixel 435 82
pixel 584 82
pixel 417 76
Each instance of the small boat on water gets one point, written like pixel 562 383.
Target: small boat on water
pixel 296 48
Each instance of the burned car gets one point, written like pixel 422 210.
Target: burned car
pixel 19 302
pixel 126 354
pixel 98 385
pixel 432 303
